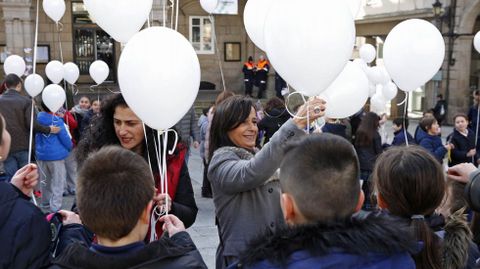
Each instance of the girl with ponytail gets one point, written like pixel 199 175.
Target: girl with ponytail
pixel 410 184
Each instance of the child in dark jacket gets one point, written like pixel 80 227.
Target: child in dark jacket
pixel 463 141
pixel 431 141
pixel 326 233
pixel 400 132
pixel 115 189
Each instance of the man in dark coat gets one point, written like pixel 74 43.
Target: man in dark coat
pixel 24 232
pixel 474 117
pixel 263 67
pixel 249 75
pixel 120 218
pixel 440 109
pixel 326 233
pixel 16 109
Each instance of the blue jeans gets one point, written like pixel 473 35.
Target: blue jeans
pixel 15 161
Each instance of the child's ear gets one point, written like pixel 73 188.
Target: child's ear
pixel 145 217
pixel 361 200
pixel 381 203
pixel 288 207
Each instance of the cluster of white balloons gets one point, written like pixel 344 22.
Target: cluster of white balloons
pixel 300 55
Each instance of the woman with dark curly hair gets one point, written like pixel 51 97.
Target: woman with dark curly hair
pixel 118 125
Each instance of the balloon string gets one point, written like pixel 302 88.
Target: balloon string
pixel 287 102
pixel 404 100
pixel 30 144
pixel 214 36
pixel 176 15
pixel 172 6
pixel 35 43
pixel 147 146
pixel 405 116
pixel 164 13
pixel 476 131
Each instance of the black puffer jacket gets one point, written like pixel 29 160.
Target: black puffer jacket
pixel 24 232
pixel 272 122
pixel 179 251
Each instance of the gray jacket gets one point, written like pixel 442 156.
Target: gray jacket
pixel 245 191
pixel 16 110
pixel 187 127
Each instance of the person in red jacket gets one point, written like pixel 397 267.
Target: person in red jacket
pixel 118 125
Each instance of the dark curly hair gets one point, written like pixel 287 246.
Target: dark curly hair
pixel 101 133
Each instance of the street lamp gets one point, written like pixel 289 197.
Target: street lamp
pixel 437 9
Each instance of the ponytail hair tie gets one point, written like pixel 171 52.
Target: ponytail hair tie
pixel 418 217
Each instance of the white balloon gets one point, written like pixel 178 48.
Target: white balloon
pixel 55 9
pixel 209 5
pixel 348 93
pixel 301 56
pixel 389 91
pixel 71 72
pixel 476 42
pixel 54 71
pixel 99 71
pixel 372 89
pixel 413 53
pixel 378 103
pixel 368 53
pixel 254 18
pixel 14 64
pixel 355 7
pixel 362 64
pixel 160 94
pixel 121 19
pixel 375 75
pixel 53 97
pixel 34 85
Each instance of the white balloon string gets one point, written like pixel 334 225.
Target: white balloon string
pixel 155 216
pixel 30 141
pixel 214 36
pixel 171 7
pixel 164 13
pixel 405 115
pixel 74 89
pixel 59 31
pixel 476 131
pixel 148 152
pixel 35 43
pixel 287 101
pixel 404 100
pixel 148 22
pixel 176 15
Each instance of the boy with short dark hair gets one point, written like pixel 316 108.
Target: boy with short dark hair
pixel 400 131
pixel 319 178
pixel 114 195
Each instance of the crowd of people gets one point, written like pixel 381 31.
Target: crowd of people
pixel 289 191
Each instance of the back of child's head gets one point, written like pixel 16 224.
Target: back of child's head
pixel 114 186
pixel 411 184
pixel 401 122
pixel 427 122
pixel 321 172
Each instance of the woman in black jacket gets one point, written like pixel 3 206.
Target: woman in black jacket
pixel 118 125
pixel 368 145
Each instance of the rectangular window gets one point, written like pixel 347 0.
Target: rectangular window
pixel 201 35
pixel 90 42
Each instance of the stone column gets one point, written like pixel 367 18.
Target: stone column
pixel 18 25
pixel 459 90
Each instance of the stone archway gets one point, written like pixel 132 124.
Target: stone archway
pixel 459 99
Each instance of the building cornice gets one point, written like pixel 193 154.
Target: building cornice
pixel 396 16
